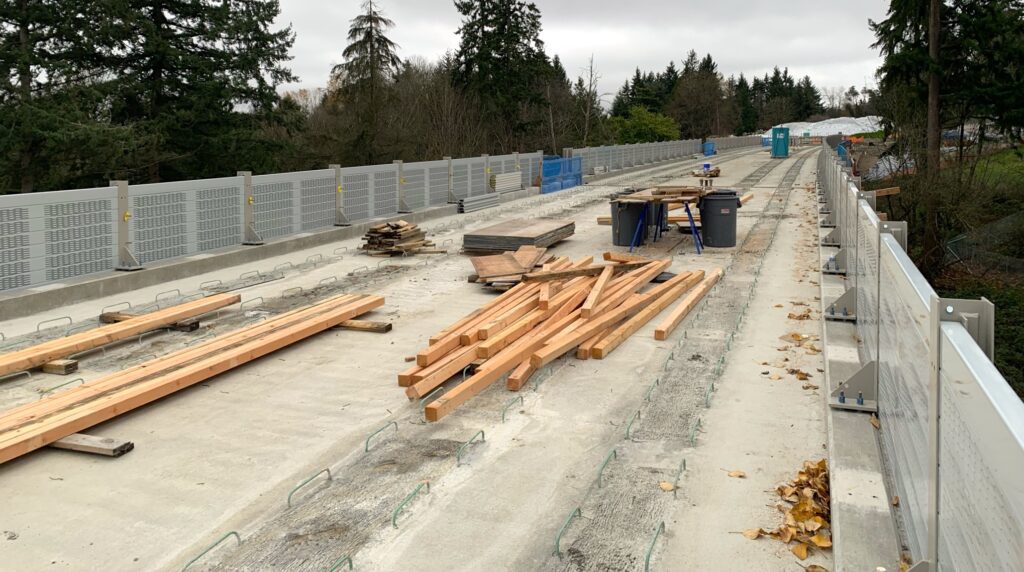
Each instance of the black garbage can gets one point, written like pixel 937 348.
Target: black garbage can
pixel 625 218
pixel 718 218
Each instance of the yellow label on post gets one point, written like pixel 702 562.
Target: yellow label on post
pixel 339 189
pixel 127 215
pixel 252 200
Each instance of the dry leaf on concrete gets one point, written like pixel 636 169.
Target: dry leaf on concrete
pixel 778 305
pixel 875 422
pixel 800 374
pixel 800 550
pixel 737 474
pixel 815 568
pixel 753 533
pixel 821 540
pixel 805 315
pixel 810 386
pixel 776 376
pixel 666 486
pixel 896 501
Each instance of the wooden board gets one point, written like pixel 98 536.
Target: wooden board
pixel 61 366
pixel 574 272
pixel 40 423
pixel 495 265
pixel 595 293
pixel 365 326
pixel 105 446
pixel 35 356
pixel 511 234
pixel 669 323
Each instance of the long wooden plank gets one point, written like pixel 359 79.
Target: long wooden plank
pixel 105 446
pixel 584 349
pixel 570 295
pixel 595 293
pixel 624 257
pixel 663 329
pixel 556 347
pixel 94 409
pixel 575 272
pixel 451 365
pixel 35 356
pixel 630 326
pixel 135 374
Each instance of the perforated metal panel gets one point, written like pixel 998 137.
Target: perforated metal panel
pixel 477 178
pixel 317 190
pixel 414 185
pixel 865 280
pixel 438 180
pixel 277 205
pixel 460 178
pixel 219 215
pixel 356 185
pixel 56 235
pixel 385 191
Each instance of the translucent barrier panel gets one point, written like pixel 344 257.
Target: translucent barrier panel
pixel 384 197
pixel 414 185
pixel 276 204
pixel 56 235
pixel 437 174
pixel 356 186
pixel 866 282
pixel 981 479
pixel 477 178
pixel 460 178
pixel 903 372
pixel 317 190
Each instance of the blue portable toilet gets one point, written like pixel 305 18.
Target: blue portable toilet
pixel 780 142
pixel 709 148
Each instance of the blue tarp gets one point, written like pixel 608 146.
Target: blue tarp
pixel 558 174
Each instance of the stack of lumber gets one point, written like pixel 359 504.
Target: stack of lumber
pixel 40 423
pixel 395 239
pixel 710 173
pixel 41 354
pixel 505 270
pixel 511 234
pixel 590 307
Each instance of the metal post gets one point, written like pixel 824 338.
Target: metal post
pixel 125 258
pixel 251 236
pixel 403 205
pixel 487 175
pixel 339 206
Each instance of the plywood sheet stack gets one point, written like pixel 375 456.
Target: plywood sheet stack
pixel 568 305
pixel 511 234
pixel 395 239
pixel 40 423
pixel 505 270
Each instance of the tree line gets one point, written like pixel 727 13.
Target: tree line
pixel 163 90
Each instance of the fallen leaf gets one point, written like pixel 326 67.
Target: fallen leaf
pixel 737 474
pixel 753 533
pixel 875 422
pixel 666 486
pixel 810 386
pixel 778 305
pixel 896 501
pixel 821 540
pixel 805 315
pixel 815 568
pixel 800 550
pixel 782 349
pixel 776 376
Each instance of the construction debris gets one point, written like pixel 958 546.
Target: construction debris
pixel 511 234
pixel 710 173
pixel 567 305
pixel 397 238
pixel 806 517
pixel 502 271
pixel 37 424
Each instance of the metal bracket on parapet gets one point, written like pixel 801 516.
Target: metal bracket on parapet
pixel 844 309
pixel 252 238
pixel 859 392
pixel 978 317
pixel 835 264
pixel 828 222
pixel 833 238
pixel 896 228
pixel 339 198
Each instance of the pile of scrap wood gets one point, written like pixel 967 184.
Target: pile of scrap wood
pixel 591 308
pixel 511 234
pixel 397 239
pixel 42 422
pixel 710 173
pixel 505 270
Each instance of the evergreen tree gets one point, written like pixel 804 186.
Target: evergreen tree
pixel 198 80
pixel 501 61
pixel 747 119
pixel 361 81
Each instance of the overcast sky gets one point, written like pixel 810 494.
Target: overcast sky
pixel 828 40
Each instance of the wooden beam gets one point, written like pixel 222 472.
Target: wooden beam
pixel 595 293
pixel 115 317
pixel 365 326
pixel 105 446
pixel 663 329
pixel 744 199
pixel 652 309
pixel 887 192
pixel 574 272
pixel 624 257
pixel 35 356
pixel 61 366
pixel 38 424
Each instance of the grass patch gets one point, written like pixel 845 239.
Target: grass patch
pixel 870 134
